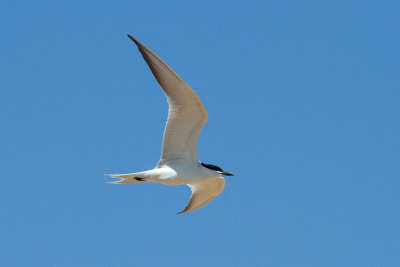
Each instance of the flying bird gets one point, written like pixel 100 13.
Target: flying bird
pixel 179 163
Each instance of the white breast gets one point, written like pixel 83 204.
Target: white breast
pixel 181 172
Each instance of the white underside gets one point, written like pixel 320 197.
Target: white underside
pixel 175 172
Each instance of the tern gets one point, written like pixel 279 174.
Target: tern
pixel 179 163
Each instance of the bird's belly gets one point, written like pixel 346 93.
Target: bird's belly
pixel 172 175
pixel 179 179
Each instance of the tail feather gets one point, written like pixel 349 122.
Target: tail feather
pixel 130 178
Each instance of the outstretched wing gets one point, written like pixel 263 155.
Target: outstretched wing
pixel 204 192
pixel 187 114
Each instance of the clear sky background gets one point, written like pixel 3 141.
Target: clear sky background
pixel 303 100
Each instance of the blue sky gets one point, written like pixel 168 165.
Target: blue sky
pixel 303 102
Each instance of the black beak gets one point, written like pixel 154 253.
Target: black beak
pixel 226 174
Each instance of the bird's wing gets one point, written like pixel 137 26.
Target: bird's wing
pixel 204 192
pixel 186 115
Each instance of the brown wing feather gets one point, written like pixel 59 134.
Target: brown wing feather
pixel 187 114
pixel 204 193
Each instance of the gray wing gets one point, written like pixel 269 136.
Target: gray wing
pixel 204 192
pixel 187 114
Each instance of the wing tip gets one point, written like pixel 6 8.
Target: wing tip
pixel 133 39
pixel 183 211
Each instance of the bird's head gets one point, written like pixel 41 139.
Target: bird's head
pixel 216 169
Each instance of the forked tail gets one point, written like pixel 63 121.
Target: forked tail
pixel 130 178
